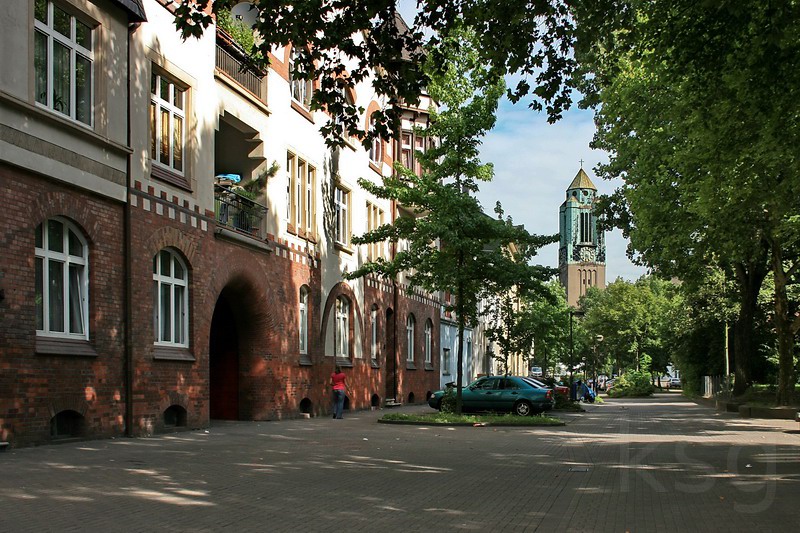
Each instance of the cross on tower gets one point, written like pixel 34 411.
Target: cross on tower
pixel 581 163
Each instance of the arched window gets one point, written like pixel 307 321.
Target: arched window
pixel 171 299
pixel 376 148
pixel 410 322
pixel 373 317
pixel 62 280
pixel 342 340
pixel 428 342
pixel 303 325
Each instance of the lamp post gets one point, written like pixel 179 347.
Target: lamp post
pixel 598 339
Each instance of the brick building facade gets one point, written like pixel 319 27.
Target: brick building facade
pixel 139 291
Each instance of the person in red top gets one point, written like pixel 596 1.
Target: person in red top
pixel 339 385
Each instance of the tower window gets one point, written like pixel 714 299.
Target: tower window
pixel 586 228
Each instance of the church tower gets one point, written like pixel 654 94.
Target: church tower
pixel 582 248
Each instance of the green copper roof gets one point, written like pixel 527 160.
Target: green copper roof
pixel 582 181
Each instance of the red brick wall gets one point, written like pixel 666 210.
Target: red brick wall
pixel 34 387
pixel 261 287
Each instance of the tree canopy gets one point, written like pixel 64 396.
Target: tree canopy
pixel 697 106
pixel 342 43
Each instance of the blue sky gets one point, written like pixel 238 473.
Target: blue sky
pixel 534 162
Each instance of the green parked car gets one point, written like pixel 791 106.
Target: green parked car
pixel 503 394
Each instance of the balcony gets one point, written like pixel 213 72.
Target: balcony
pixel 237 66
pixel 238 214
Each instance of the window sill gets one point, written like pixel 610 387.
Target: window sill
pixel 173 178
pixel 347 363
pixel 374 166
pixel 169 353
pixel 375 364
pixel 410 366
pixel 62 346
pixel 343 248
pixel 305 360
pixel 306 113
pixel 428 366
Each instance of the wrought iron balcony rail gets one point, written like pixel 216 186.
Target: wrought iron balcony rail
pixel 236 66
pixel 239 213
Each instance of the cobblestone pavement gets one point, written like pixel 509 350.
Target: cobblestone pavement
pixel 658 464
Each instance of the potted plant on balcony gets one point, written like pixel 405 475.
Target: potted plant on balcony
pixel 249 216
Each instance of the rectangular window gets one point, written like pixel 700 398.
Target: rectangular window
pixel 446 361
pixel 167 117
pixel 301 89
pixel 63 58
pixel 341 203
pixel 419 146
pixel 374 221
pixel 406 150
pixel 299 182
pixel 300 190
pixel 586 227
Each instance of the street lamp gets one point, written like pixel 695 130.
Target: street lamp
pixel 597 340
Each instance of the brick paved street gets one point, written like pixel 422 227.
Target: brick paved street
pixel 660 464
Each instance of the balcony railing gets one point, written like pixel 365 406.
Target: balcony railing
pixel 244 74
pixel 237 213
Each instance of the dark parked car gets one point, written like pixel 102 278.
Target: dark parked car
pixel 559 389
pixel 501 393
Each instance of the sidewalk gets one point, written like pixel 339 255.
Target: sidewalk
pixel 658 464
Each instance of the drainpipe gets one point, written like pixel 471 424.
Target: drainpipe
pixel 128 254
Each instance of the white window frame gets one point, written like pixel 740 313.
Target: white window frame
pixel 341 202
pixel 407 149
pixel 410 325
pixel 175 284
pixel 301 90
pixel 374 221
pixel 445 361
pixel 68 263
pixel 428 342
pixel 303 320
pixel 76 50
pixel 342 330
pixel 373 316
pixel 176 113
pixel 376 149
pixel 300 192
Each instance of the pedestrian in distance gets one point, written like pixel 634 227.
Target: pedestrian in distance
pixel 340 387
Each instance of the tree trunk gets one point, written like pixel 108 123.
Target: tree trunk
pixel 749 278
pixel 460 352
pixel 783 327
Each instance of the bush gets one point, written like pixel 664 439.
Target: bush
pixel 632 383
pixel 449 400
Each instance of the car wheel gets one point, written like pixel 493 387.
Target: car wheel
pixel 523 408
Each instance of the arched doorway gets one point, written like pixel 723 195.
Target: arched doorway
pixel 224 362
